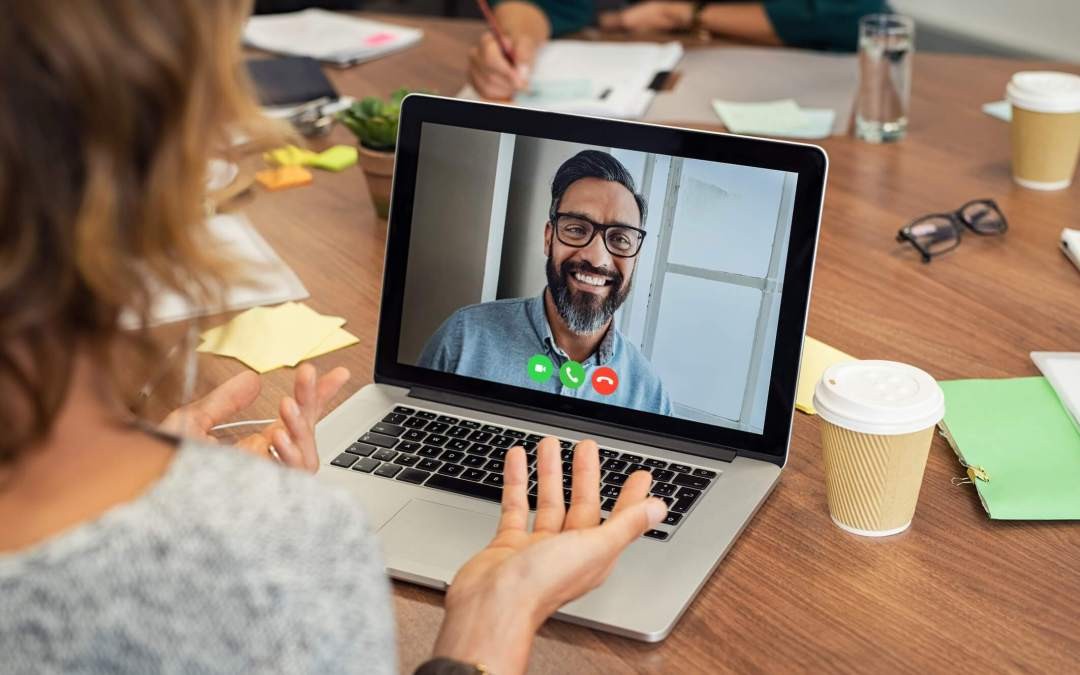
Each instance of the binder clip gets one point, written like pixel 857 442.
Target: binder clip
pixel 974 473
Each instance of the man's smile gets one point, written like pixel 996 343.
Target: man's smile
pixel 590 281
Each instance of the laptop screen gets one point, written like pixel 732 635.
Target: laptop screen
pixel 624 277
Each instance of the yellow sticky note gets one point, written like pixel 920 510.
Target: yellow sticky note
pixel 290 155
pixel 816 359
pixel 339 338
pixel 266 338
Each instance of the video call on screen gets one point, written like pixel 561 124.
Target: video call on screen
pixel 652 283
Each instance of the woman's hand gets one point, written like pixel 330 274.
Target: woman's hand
pixel 292 434
pixel 492 75
pixel 650 17
pixel 504 594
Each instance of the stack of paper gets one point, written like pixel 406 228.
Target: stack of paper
pixel 266 338
pixel 609 79
pixel 328 36
pixel 775 118
pixel 267 279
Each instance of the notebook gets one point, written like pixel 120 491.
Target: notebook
pixel 1020 444
pixel 328 36
pixel 289 80
pixel 609 79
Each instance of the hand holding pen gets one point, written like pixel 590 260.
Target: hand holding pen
pixel 500 65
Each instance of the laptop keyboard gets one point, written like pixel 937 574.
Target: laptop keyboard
pixel 464 456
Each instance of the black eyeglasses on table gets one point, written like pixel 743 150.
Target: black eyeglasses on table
pixel 938 233
pixel 621 241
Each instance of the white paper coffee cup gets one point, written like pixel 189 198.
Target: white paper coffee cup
pixel 1045 128
pixel 878 420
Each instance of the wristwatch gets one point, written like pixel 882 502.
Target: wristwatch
pixel 445 666
pixel 696 26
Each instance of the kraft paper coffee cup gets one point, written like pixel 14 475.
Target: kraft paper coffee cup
pixel 1045 128
pixel 878 420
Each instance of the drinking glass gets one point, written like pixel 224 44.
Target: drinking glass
pixel 886 43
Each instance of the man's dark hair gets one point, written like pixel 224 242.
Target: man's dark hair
pixel 593 164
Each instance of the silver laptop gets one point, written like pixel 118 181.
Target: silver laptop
pixel 567 276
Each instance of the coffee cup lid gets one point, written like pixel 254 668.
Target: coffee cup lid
pixel 1045 91
pixel 879 397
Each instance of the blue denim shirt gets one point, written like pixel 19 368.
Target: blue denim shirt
pixel 495 340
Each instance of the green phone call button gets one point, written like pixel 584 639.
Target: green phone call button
pixel 572 374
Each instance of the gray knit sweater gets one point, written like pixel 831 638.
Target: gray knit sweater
pixel 228 564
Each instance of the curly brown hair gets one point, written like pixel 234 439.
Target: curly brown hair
pixel 111 111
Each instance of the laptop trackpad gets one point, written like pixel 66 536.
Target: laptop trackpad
pixel 427 542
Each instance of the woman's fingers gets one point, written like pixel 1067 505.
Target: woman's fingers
pixel 634 490
pixel 290 454
pixel 550 508
pixel 631 521
pixel 255 444
pixel 230 397
pixel 293 433
pixel 328 387
pixel 515 500
pixel 314 393
pixel 585 487
pixel 304 393
pixel 301 434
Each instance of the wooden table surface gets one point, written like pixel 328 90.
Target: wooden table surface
pixel 956 592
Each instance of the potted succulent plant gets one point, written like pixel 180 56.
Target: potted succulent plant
pixel 374 121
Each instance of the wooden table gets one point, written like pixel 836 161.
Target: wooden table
pixel 957 592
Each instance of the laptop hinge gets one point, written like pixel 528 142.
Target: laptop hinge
pixel 721 453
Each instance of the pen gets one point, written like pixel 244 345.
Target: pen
pixel 504 45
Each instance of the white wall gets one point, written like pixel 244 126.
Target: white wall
pixel 1045 28
pixel 535 163
pixel 725 221
pixel 458 213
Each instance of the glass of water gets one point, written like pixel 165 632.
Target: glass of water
pixel 886 43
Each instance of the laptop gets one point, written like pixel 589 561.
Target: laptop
pixel 581 278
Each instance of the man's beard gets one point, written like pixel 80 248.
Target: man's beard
pixel 584 313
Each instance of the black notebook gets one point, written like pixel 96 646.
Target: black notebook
pixel 289 80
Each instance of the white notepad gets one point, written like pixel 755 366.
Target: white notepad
pixel 328 36
pixel 270 281
pixel 1062 371
pixel 608 79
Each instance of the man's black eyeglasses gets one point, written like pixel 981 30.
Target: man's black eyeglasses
pixel 621 241
pixel 937 233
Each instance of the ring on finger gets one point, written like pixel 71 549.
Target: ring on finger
pixel 272 451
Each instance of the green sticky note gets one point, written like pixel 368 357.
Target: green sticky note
pixel 337 158
pixel 1018 432
pixel 553 91
pixel 775 118
pixel 747 117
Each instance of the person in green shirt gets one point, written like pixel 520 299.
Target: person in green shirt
pixel 527 24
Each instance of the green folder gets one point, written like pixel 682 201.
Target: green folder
pixel 1019 442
